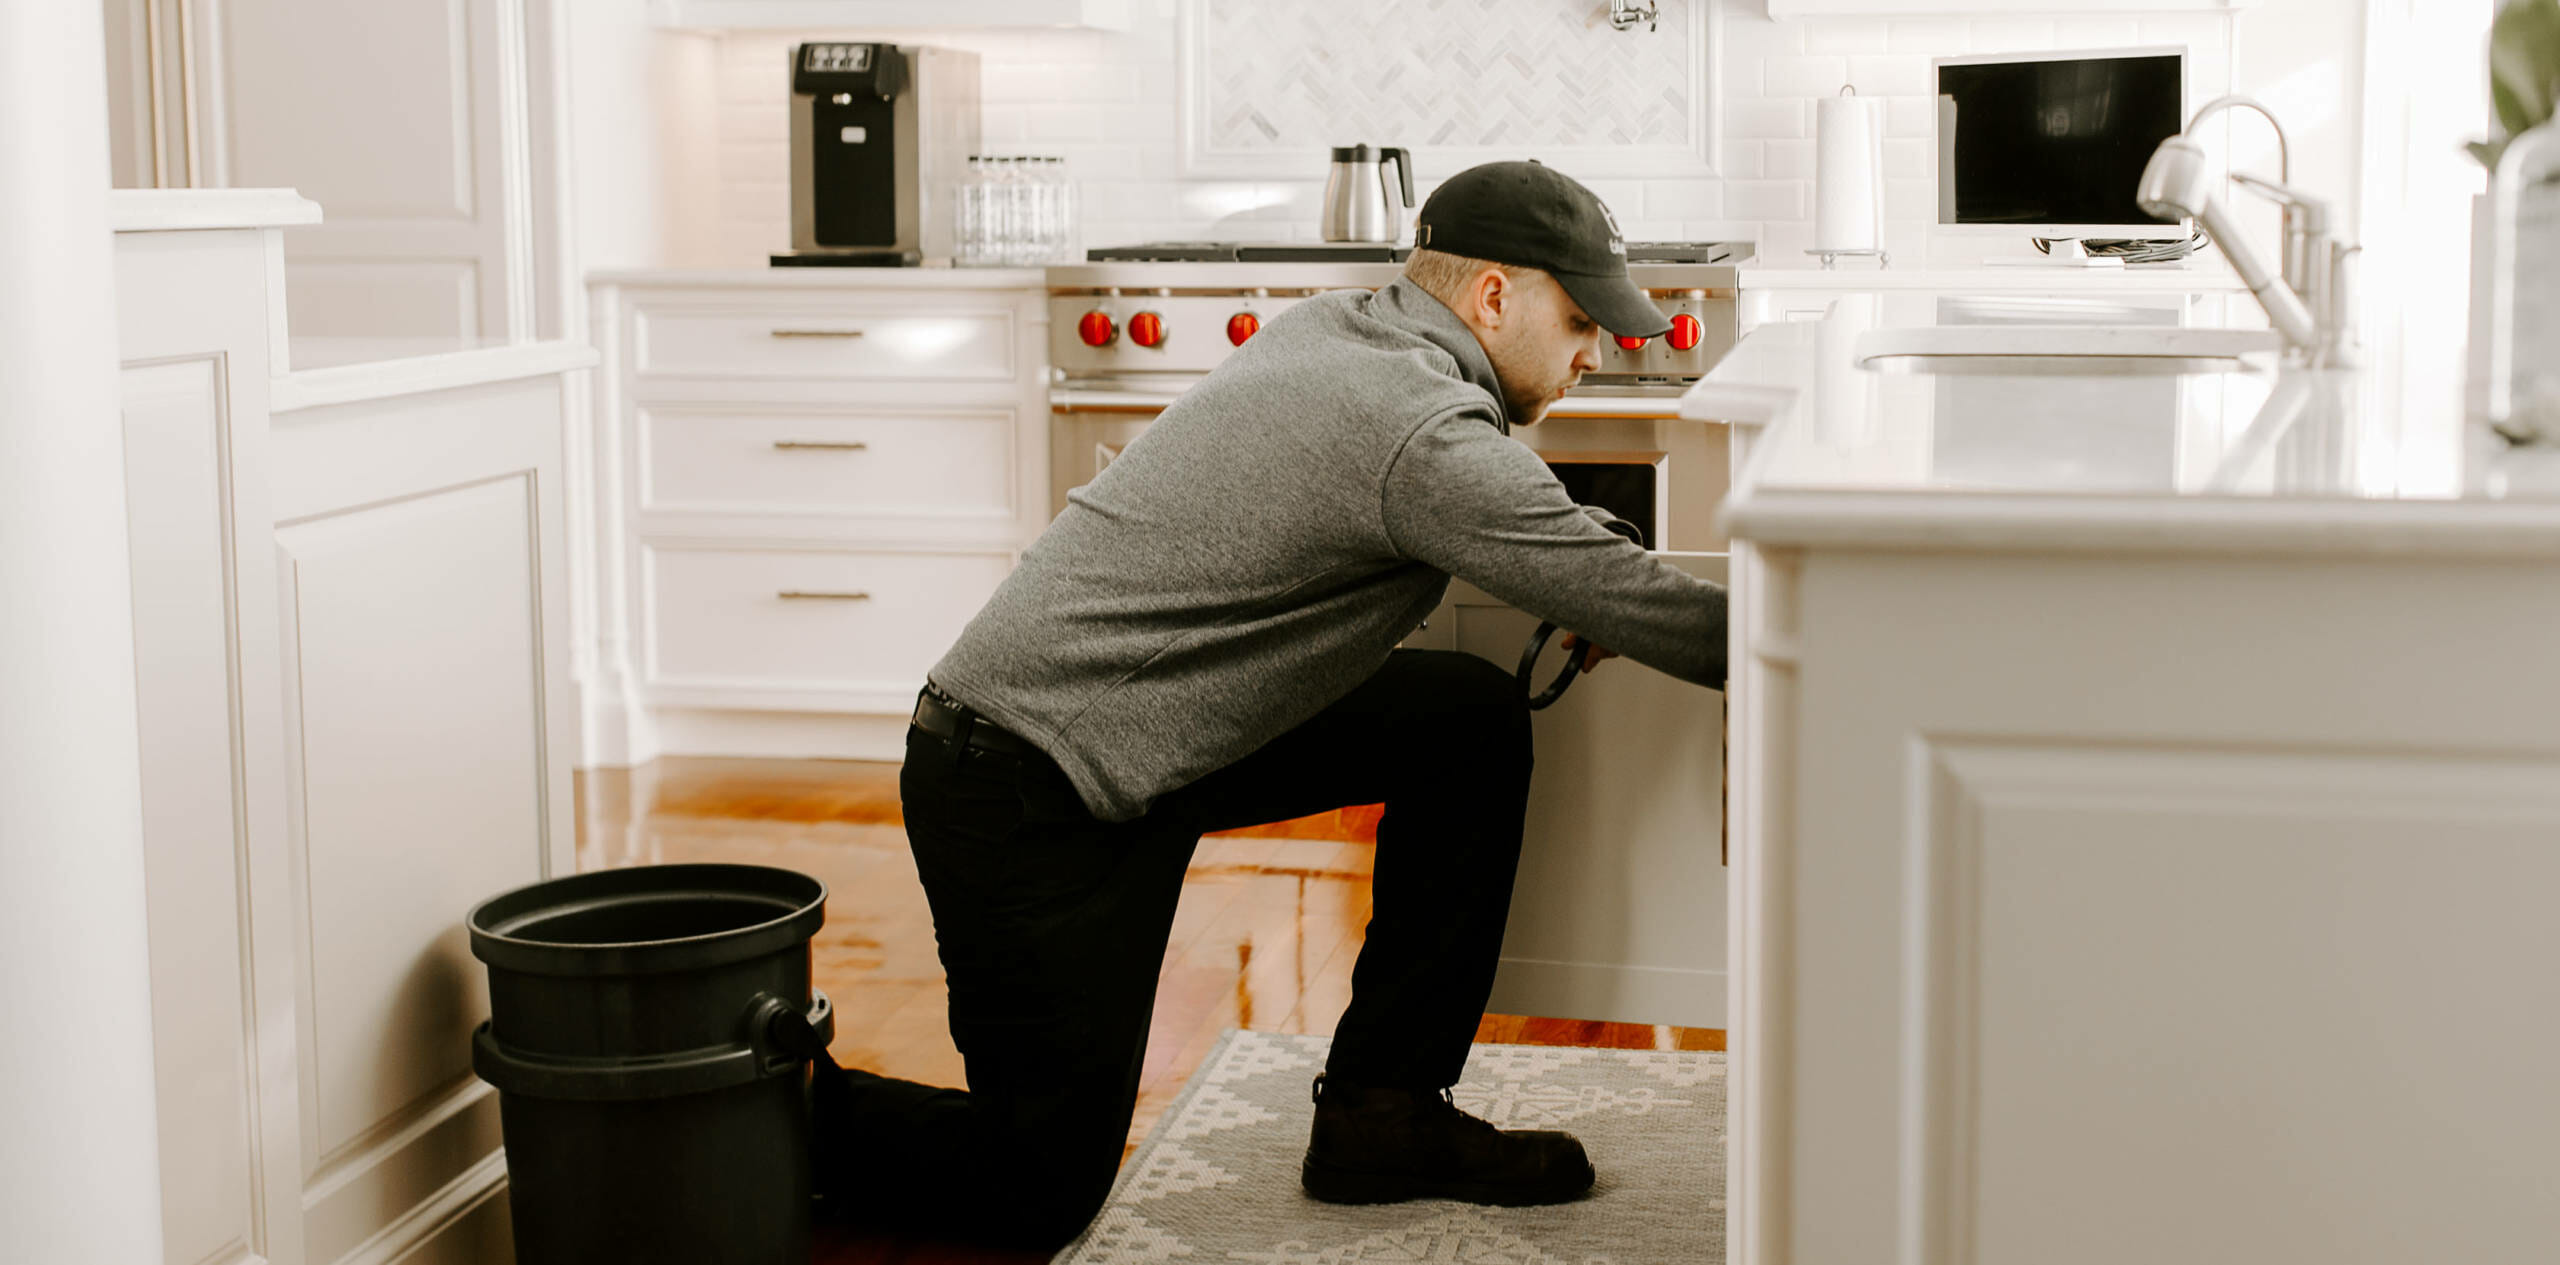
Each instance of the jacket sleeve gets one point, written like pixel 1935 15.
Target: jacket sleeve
pixel 1465 498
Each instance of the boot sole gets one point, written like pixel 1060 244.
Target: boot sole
pixel 1328 1183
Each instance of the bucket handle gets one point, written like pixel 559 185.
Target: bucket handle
pixel 785 1036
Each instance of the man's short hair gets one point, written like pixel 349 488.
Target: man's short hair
pixel 1443 275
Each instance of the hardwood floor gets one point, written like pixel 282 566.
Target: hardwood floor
pixel 1270 922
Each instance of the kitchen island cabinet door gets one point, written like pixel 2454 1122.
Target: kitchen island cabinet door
pixel 2091 886
pixel 424 629
pixel 1618 913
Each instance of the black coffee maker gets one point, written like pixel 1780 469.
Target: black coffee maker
pixel 880 140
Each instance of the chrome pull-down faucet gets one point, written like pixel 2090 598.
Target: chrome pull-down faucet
pixel 2309 299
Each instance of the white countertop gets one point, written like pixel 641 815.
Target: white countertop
pixel 2265 460
pixel 326 371
pixel 2205 276
pixel 175 210
pixel 828 278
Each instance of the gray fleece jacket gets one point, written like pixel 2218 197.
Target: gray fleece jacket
pixel 1260 549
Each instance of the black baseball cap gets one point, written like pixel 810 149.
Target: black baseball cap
pixel 1530 215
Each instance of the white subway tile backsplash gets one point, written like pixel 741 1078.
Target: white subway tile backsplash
pixel 1929 37
pixel 1911 116
pixel 1910 199
pixel 1892 76
pixel 1684 199
pixel 1764 119
pixel 1846 36
pixel 1108 103
pixel 1803 76
pixel 1766 199
pixel 2096 32
pixel 1791 160
pixel 1910 158
pixel 2016 35
pixel 1744 160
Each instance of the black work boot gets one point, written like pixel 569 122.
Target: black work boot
pixel 1383 1145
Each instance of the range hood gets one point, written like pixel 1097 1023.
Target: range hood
pixel 725 15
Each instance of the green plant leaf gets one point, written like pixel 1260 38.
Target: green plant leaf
pixel 2524 63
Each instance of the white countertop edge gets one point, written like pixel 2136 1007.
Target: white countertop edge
pixel 174 210
pixel 1888 521
pixel 824 278
pixel 2214 278
pixel 418 375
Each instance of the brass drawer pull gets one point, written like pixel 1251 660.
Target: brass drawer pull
pixel 799 595
pixel 817 333
pixel 820 445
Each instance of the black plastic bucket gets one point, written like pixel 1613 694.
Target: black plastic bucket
pixel 650 1035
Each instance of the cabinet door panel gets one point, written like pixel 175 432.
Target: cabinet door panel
pixel 415 642
pixel 1619 910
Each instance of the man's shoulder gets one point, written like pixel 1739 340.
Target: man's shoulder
pixel 1337 346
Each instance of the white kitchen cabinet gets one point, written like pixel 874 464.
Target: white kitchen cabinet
pixel 2112 838
pixel 1618 911
pixel 194 309
pixel 804 484
pixel 350 650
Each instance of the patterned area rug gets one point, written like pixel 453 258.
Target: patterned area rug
pixel 1218 1178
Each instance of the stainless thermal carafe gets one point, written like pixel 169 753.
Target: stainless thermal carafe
pixel 1359 204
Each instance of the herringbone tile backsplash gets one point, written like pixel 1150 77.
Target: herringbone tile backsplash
pixel 1454 80
pixel 1443 72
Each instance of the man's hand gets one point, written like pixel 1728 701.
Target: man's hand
pixel 1592 652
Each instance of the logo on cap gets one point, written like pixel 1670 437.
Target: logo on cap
pixel 1617 243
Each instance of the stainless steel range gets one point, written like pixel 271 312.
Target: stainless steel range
pixel 1159 315
pixel 1134 327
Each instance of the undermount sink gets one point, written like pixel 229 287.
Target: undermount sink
pixel 2059 350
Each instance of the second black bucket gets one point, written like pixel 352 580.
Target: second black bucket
pixel 650 1035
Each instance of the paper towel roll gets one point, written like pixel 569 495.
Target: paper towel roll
pixel 1848 195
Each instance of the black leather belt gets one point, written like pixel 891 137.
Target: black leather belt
pixel 956 722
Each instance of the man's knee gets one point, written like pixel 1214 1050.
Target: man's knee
pixel 1474 704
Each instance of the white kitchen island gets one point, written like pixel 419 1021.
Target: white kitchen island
pixel 2147 820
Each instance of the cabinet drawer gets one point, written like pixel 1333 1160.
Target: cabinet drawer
pixel 856 463
pixel 839 342
pixel 821 620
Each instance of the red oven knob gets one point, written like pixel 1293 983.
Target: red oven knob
pixel 1241 326
pixel 1095 329
pixel 1632 344
pixel 1685 332
pixel 1146 329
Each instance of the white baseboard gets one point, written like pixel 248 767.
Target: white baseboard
pixel 1609 993
pixel 613 733
pixel 780 735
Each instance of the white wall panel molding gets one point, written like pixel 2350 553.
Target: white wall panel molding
pixel 197 314
pixel 197 811
pixel 2090 926
pixel 412 125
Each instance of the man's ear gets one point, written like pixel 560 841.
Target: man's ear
pixel 1491 297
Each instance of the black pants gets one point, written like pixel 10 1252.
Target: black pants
pixel 1052 927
